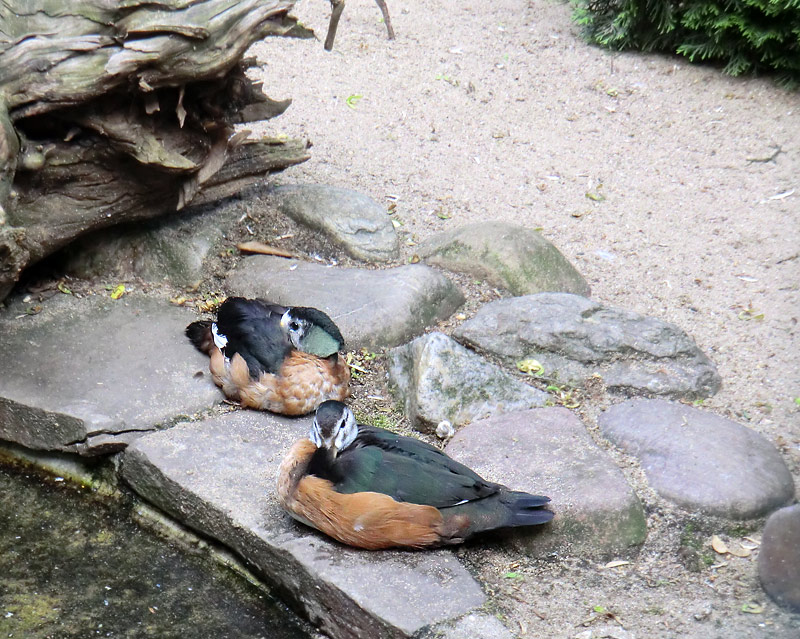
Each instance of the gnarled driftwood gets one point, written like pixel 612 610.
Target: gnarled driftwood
pixel 117 110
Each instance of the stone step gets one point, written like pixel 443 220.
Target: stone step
pixel 89 375
pixel 575 339
pixel 435 378
pixel 373 308
pixel 218 477
pixel 352 220
pixel 698 460
pixel 507 255
pixel 548 451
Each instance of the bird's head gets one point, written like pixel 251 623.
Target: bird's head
pixel 334 427
pixel 312 331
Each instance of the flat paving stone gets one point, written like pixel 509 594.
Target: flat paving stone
pixel 699 460
pixel 507 255
pixel 89 375
pixel 372 308
pixel 779 557
pixel 575 338
pixel 436 378
pixel 218 477
pixel 354 221
pixel 547 451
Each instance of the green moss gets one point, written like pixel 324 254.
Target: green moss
pixel 379 420
pixel 740 530
pixel 690 537
pixel 32 611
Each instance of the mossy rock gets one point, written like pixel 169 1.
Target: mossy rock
pixel 513 257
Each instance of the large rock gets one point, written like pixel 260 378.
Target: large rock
pixel 505 255
pixel 699 460
pixel 574 338
pixel 352 220
pixel 372 308
pixel 218 477
pixel 779 557
pixel 547 451
pixel 89 375
pixel 435 378
pixel 175 248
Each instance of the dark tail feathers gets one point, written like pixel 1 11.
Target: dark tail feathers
pixel 527 510
pixel 504 509
pixel 199 333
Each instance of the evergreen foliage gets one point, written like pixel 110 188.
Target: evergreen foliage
pixel 746 36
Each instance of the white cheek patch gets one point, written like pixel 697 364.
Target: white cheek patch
pixel 315 436
pixel 219 339
pixel 339 441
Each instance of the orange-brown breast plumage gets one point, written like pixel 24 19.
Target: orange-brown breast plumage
pixel 303 382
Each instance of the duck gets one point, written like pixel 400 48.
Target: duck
pixel 270 357
pixel 374 489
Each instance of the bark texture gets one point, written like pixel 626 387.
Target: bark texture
pixel 113 111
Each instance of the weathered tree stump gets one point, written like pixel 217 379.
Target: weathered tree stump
pixel 113 111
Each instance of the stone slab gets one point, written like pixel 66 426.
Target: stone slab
pixel 547 451
pixel 435 378
pixel 779 557
pixel 575 338
pixel 373 308
pixel 352 220
pixel 88 375
pixel 699 460
pixel 507 255
pixel 218 477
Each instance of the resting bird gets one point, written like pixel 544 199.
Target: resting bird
pixel 370 488
pixel 270 357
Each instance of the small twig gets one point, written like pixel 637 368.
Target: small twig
pixel 336 13
pixel 771 158
pixel 385 11
pixel 263 249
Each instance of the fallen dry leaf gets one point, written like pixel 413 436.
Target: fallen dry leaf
pixel 739 551
pixel 616 563
pixel 718 545
pixel 753 608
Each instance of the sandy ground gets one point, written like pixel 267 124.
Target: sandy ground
pixel 648 173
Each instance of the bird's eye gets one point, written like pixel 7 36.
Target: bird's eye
pixel 294 326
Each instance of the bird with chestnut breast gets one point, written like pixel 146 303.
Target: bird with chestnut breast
pixel 266 356
pixel 371 488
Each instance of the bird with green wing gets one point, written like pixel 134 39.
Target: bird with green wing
pixel 371 488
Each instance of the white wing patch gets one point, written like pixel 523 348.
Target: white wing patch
pixel 219 339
